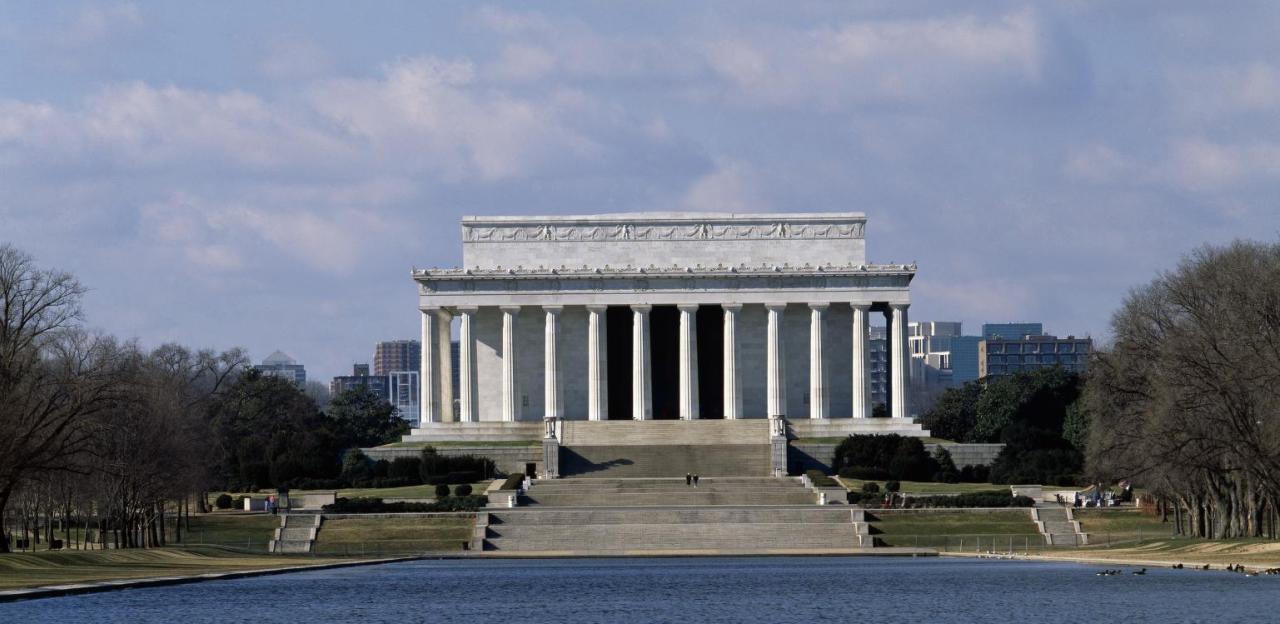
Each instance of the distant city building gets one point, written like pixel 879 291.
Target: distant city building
pixel 879 373
pixel 930 344
pixel 998 356
pixel 964 359
pixel 403 394
pixel 279 364
pixel 391 356
pixel 1012 331
pixel 360 378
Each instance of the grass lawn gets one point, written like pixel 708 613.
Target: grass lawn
pixel 19 570
pixel 238 530
pixel 921 487
pixel 393 535
pixel 1121 524
pixel 943 528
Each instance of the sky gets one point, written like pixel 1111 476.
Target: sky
pixel 265 175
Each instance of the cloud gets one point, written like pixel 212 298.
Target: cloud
pixel 1200 164
pixel 295 58
pixel 729 188
pixel 1216 91
pixel 892 60
pixel 96 23
pixel 1096 162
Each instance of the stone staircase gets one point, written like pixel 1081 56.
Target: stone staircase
pixel 1057 526
pixel 665 530
pixel 475 432
pixel 667 492
pixel 723 515
pixel 664 448
pixel 297 534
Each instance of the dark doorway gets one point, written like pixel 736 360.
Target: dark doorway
pixel 618 338
pixel 710 361
pixel 664 352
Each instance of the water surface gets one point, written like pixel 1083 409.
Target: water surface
pixel 695 590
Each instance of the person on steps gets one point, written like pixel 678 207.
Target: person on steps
pixel 688 479
pixel 695 480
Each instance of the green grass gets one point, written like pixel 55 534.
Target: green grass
pixel 923 487
pixel 18 570
pixel 1121 524
pixel 393 535
pixel 944 528
pixel 240 530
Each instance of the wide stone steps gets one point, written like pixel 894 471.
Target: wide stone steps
pixel 664 460
pixel 596 499
pixel 667 492
pixel 475 432
pixel 696 515
pixel 642 537
pixel 660 432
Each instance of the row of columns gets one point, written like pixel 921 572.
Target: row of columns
pixel 435 390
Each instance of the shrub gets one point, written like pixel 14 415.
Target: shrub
pixel 865 473
pixel 991 498
pixel 376 505
pixel 442 490
pixel 864 498
pixel 819 479
pixel 462 490
pixel 883 456
pixel 437 468
pixel 381 467
pixel 871 487
pixel 223 501
pixel 408 469
pixel 892 486
pixel 974 474
pixel 356 466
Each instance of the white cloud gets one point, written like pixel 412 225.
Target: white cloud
pixel 1096 162
pixel 295 58
pixel 95 23
pixel 1200 164
pixel 729 188
pixel 1216 91
pixel 911 60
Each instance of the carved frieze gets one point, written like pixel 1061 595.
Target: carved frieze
pixel 651 231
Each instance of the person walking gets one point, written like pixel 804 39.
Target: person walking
pixel 695 480
pixel 688 479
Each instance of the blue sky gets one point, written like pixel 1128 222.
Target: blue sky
pixel 227 174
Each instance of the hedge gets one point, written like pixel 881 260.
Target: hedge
pixel 819 479
pixel 991 498
pixel 376 505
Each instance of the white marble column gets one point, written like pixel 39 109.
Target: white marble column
pixel 819 402
pixel 428 394
pixel 597 364
pixel 466 365
pixel 444 363
pixel 688 361
pixel 776 378
pixel 900 365
pixel 510 386
pixel 553 391
pixel 861 361
pixel 641 383
pixel 732 382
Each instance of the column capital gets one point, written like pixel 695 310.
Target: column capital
pixel 469 309
pixel 510 309
pixel 819 305
pixel 775 307
pixel 865 307
pixel 687 307
pixel 553 309
pixel 431 308
pixel 641 307
pixel 899 306
pixel 731 307
pixel 597 307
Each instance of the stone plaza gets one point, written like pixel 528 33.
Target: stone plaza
pixel 578 330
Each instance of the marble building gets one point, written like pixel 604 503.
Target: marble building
pixel 656 316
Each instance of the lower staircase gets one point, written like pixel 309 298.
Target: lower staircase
pixel 744 515
pixel 1058 526
pixel 297 534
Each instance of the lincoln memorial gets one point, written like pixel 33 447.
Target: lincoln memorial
pixel 567 321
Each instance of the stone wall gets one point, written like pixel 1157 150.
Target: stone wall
pixel 818 455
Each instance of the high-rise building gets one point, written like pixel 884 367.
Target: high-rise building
pixel 930 345
pixel 964 359
pixel 391 356
pixel 1012 331
pixel 403 394
pixel 279 364
pixel 997 356
pixel 878 375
